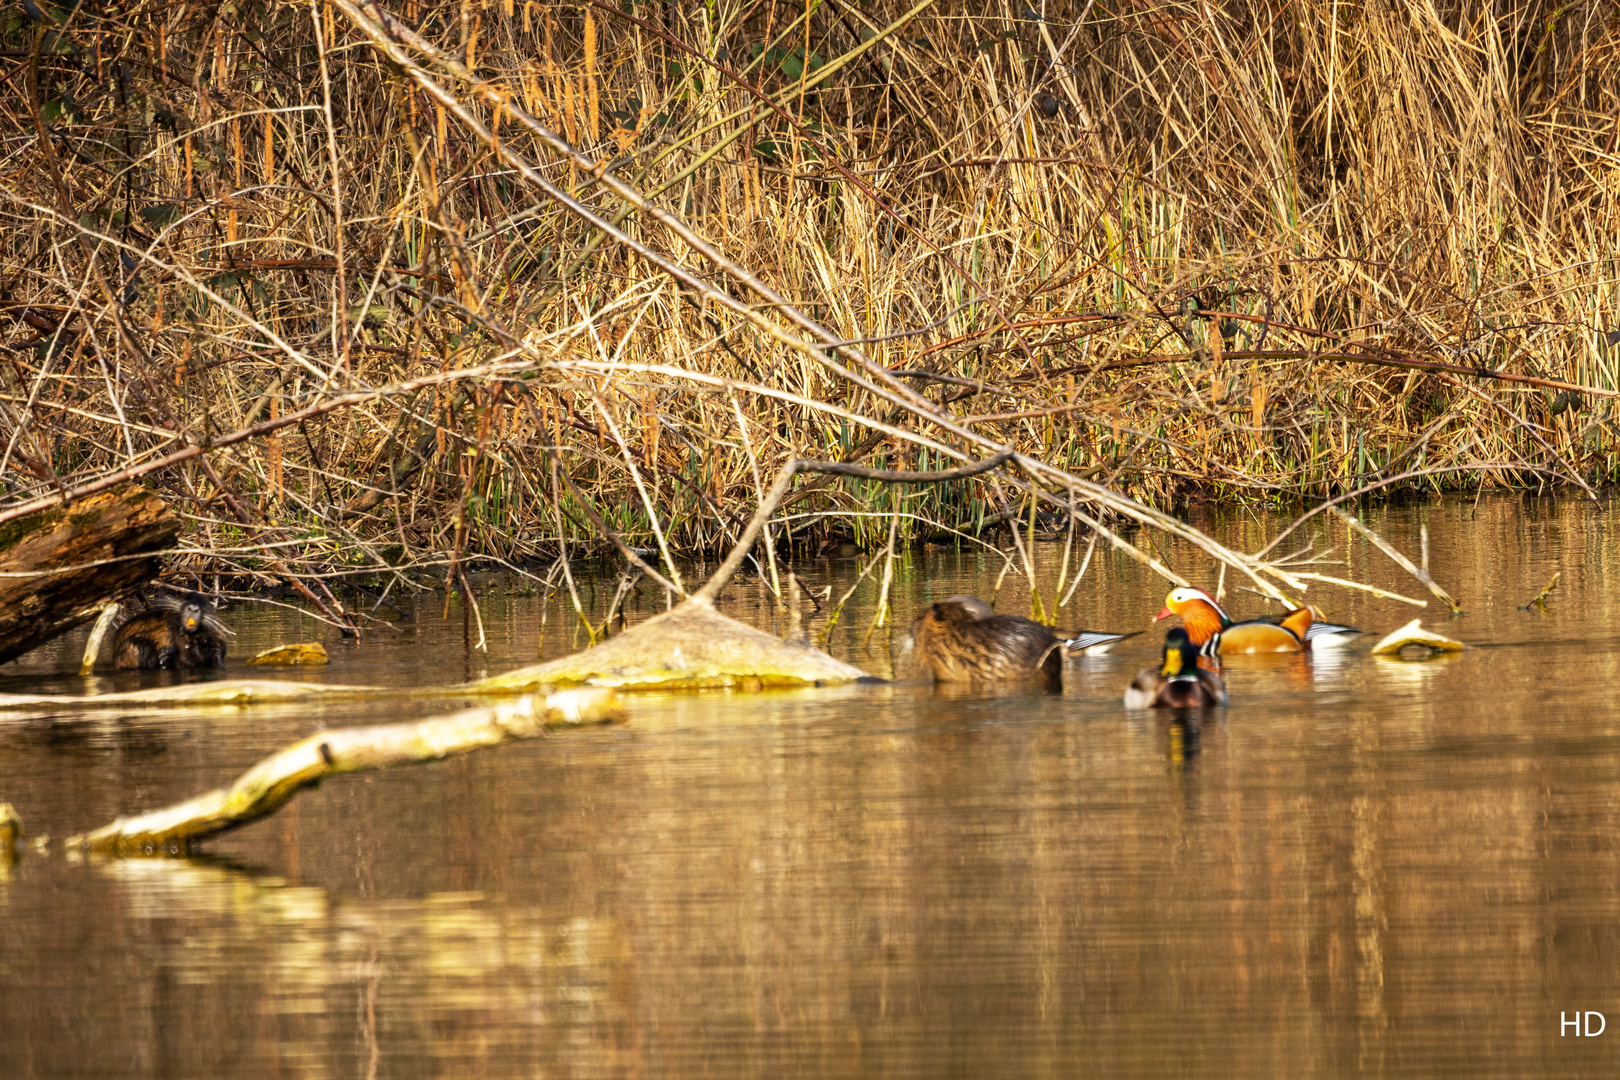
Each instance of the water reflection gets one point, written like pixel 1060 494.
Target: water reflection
pixel 1361 866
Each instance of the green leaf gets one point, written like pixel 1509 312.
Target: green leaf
pixel 372 316
pixel 162 215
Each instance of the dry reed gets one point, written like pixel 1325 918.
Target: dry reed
pixel 1235 250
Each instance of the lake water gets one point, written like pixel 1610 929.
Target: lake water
pixel 1364 867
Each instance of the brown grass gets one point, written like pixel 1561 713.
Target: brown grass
pixel 1246 250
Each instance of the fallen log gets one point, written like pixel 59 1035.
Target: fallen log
pixel 59 566
pixel 266 787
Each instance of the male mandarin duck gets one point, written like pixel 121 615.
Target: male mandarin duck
pixel 1179 683
pixel 1214 633
pixel 963 640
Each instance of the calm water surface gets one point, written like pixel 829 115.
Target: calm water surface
pixel 1367 867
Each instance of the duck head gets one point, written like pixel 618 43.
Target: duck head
pixel 1180 655
pixel 1200 614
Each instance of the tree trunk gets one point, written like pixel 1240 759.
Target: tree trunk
pixel 59 566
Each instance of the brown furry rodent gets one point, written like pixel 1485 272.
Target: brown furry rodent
pixel 173 634
pixel 962 640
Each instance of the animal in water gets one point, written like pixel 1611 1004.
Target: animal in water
pixel 963 640
pixel 1178 683
pixel 1318 635
pixel 174 633
pixel 1214 633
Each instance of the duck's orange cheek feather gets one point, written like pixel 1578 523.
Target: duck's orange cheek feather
pixel 1258 638
pixel 1201 623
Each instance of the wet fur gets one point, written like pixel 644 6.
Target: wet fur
pixel 961 640
pixel 157 638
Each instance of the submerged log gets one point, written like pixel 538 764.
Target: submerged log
pixel 692 647
pixel 58 567
pixel 266 787
pixel 225 692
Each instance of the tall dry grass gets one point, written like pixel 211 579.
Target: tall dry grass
pixel 1256 250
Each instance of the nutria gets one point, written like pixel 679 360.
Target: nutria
pixel 963 640
pixel 173 633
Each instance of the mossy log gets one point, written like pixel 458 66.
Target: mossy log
pixel 59 567
pixel 311 653
pixel 692 647
pixel 268 786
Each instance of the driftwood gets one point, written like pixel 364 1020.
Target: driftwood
pixel 267 786
pixel 1413 634
pixel 692 647
pixel 98 634
pixel 1419 572
pixel 59 566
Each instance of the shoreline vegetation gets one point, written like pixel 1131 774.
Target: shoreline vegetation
pixel 367 292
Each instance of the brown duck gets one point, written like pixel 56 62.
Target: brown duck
pixel 963 640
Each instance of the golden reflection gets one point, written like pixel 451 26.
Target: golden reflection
pixel 1362 865
pixel 1418 673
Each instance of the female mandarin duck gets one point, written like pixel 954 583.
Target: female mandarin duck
pixel 1180 683
pixel 963 640
pixel 1213 633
